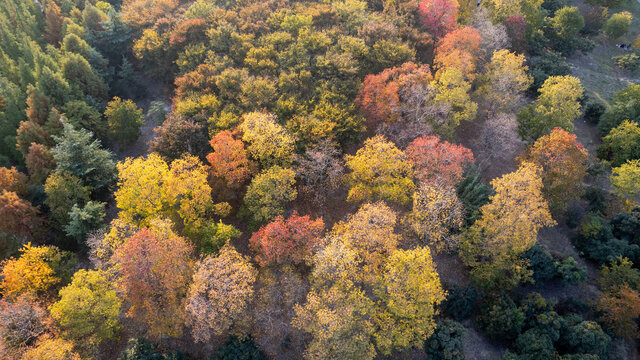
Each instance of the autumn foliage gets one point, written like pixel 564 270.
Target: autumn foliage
pixel 155 268
pixel 229 159
pixel 287 241
pixel 439 16
pixel 438 161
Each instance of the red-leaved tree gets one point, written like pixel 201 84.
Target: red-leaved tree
pixel 436 160
pixel 287 241
pixel 439 16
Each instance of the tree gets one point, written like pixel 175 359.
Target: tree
pixel 620 307
pixel 229 159
pixel 436 213
pixel 438 161
pixel 18 216
pixel 80 156
pixel 88 308
pixel 320 171
pixel 124 119
pixel 220 294
pixel 564 165
pixel 149 188
pixel 625 180
pixel 82 78
pixel 508 227
pixel 336 319
pixel 625 105
pixel 618 273
pixel 21 323
pixel 83 220
pixel 410 292
pixel 156 301
pixel 379 171
pixel 567 23
pixel 293 240
pixel 621 144
pixel 12 180
pixel 557 106
pixel 179 135
pixel 269 142
pixel 51 349
pixel 53 23
pixel 64 191
pixel 446 341
pixel 505 81
pixel 459 49
pixel 37 272
pixel 39 162
pixel 618 24
pixel 269 192
pixel 439 16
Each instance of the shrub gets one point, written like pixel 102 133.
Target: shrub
pixel 629 62
pixel 626 225
pixel 569 271
pixel 541 262
pixel 549 63
pixel 237 349
pixel 460 302
pixel 618 24
pixel 587 337
pixel 594 20
pixel 596 198
pixel 446 341
pixel 625 105
pixel 593 110
pixel 142 349
pixel 501 319
pixel 535 345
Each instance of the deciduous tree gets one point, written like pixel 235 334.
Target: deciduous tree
pixel 229 159
pixel 438 161
pixel 287 241
pixel 18 216
pixel 459 49
pixel 557 106
pixel 269 193
pixel 39 162
pixel 379 171
pixel 124 119
pixel 88 308
pixel 625 180
pixel 621 144
pixel 564 164
pixel 508 227
pixel 220 294
pixel 21 323
pixel 505 81
pixel 37 272
pixel 439 16
pixel 156 301
pixel 52 349
pixel 269 142
pixel 621 309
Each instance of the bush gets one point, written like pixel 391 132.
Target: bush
pixel 626 226
pixel 587 337
pixel 237 349
pixel 569 271
pixel 501 319
pixel 446 341
pixel 593 110
pixel 618 24
pixel 629 62
pixel 596 198
pixel 625 105
pixel 533 344
pixel 594 20
pixel 541 263
pixel 597 242
pixel 549 63
pixel 142 349
pixel 460 302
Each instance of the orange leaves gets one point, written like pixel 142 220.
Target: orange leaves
pixel 438 161
pixel 287 241
pixel 459 49
pixel 229 159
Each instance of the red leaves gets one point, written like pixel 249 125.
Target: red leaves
pixel 287 241
pixel 438 161
pixel 439 16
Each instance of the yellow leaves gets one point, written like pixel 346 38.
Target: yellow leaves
pixel 269 142
pixel 411 291
pixel 33 273
pixel 625 181
pixel 436 211
pixel 380 171
pixel 149 188
pixel 506 80
pixel 454 90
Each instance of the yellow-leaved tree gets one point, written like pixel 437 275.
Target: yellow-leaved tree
pixel 508 227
